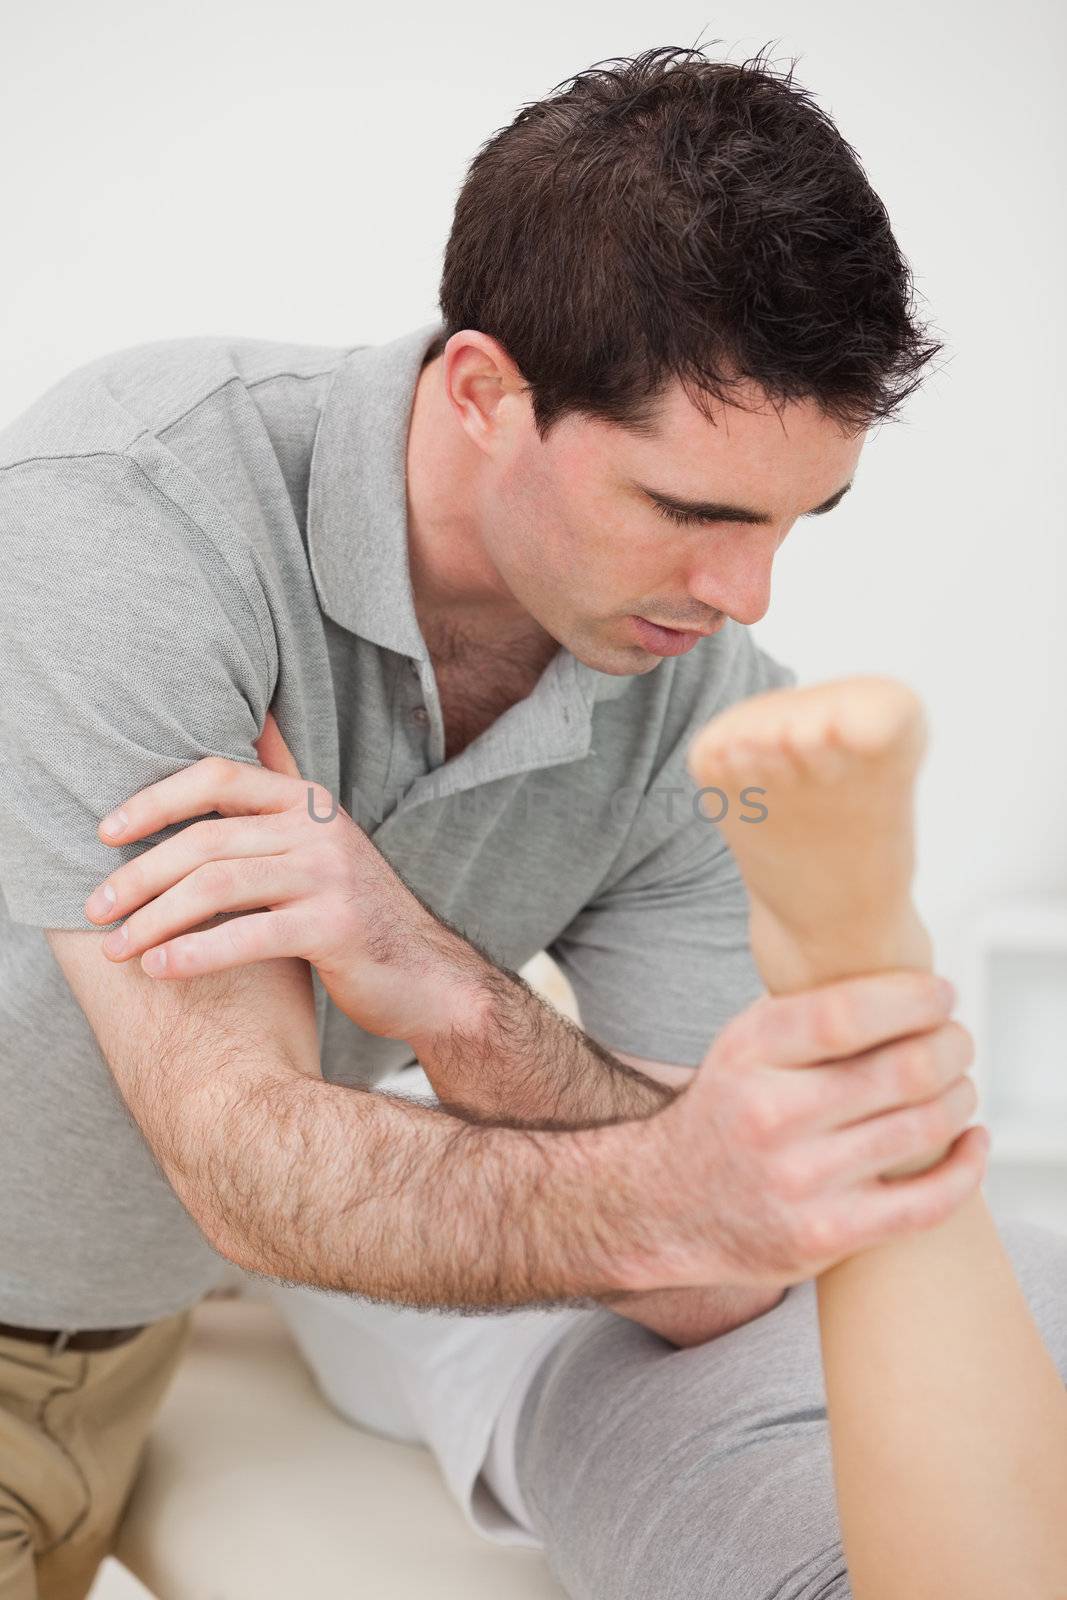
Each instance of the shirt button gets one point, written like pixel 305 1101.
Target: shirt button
pixel 421 716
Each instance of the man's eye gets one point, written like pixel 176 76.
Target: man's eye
pixel 672 514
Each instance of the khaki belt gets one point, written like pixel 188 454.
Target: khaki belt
pixel 67 1339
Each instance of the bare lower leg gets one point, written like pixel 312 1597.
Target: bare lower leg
pixel 948 1418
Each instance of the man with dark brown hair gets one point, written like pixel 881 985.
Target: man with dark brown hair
pixel 491 577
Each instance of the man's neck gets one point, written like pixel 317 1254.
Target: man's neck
pixel 457 590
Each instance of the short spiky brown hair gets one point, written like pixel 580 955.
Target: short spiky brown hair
pixel 674 217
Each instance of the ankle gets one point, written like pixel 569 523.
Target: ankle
pixel 790 960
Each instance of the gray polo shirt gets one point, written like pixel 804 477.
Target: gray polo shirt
pixel 192 531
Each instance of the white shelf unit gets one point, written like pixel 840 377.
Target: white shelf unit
pixel 1018 1014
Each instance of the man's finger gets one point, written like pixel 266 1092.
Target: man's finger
pixel 257 936
pixel 915 1133
pixel 232 788
pixel 138 881
pixel 267 882
pixel 890 1207
pixel 840 1019
pixel 906 1071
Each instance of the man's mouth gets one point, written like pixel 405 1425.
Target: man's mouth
pixel 664 641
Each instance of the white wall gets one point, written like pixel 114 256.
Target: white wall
pixel 289 171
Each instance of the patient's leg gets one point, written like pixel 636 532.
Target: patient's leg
pixel 655 1473
pixel 948 1417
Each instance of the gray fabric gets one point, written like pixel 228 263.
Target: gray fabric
pixel 195 530
pixel 653 1473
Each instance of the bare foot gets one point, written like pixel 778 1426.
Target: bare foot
pixel 829 868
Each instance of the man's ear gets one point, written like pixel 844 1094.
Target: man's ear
pixel 485 388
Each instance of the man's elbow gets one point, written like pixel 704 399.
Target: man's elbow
pixel 217 1073
pixel 232 1157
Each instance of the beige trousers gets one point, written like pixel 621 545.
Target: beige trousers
pixel 72 1430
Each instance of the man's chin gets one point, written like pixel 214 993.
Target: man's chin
pixel 617 660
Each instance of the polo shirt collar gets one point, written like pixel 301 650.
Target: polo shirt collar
pixel 357 495
pixel 358 550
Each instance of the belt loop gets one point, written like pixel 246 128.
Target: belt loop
pixel 59 1343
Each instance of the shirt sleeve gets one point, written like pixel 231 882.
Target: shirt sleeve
pixel 128 650
pixel 660 960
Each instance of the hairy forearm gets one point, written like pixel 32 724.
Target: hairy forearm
pixel 316 1183
pixel 525 1062
pixel 331 1186
pixel 345 1189
pixel 447 1212
pixel 514 1058
pixel 430 1210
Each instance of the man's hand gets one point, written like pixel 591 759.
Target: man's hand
pixel 315 886
pixel 490 1046
pixel 771 1159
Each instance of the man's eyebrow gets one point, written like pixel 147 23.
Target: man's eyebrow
pixel 713 511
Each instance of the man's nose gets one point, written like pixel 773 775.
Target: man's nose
pixel 739 585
